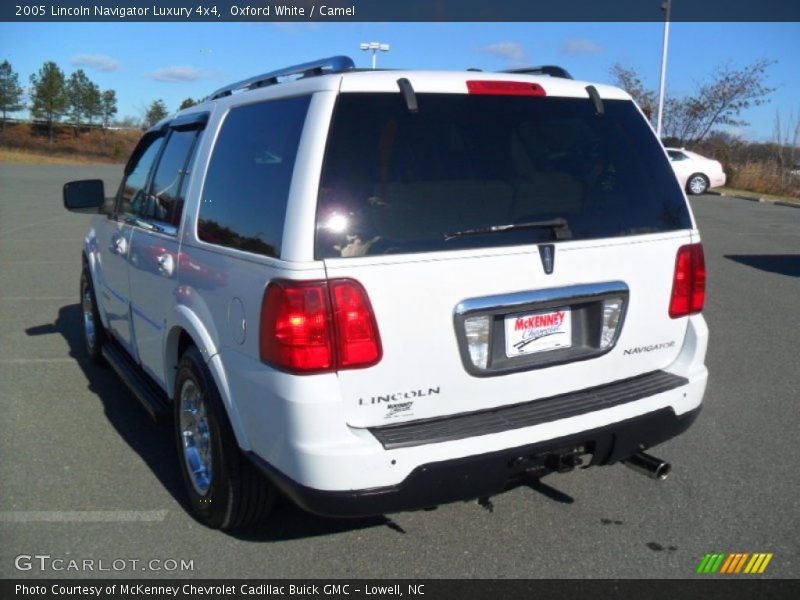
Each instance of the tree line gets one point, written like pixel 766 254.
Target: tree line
pixel 53 96
pixel 687 120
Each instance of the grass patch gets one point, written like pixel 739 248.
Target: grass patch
pixel 766 179
pixel 9 155
pixel 23 142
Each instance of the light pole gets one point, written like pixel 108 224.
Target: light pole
pixel 375 46
pixel 666 6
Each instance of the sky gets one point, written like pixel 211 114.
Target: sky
pixel 173 61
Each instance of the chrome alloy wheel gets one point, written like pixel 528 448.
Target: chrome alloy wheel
pixel 195 436
pixel 88 317
pixel 697 184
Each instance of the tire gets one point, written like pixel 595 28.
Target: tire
pixel 697 184
pixel 92 330
pixel 225 490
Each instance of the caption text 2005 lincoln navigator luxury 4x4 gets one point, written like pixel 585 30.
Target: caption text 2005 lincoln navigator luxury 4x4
pixel 377 291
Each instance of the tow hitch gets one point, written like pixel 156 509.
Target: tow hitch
pixel 568 461
pixel 560 461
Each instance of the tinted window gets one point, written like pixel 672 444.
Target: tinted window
pixel 396 181
pixel 165 200
pixel 675 155
pixel 246 188
pixel 133 193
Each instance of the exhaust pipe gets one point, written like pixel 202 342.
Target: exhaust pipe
pixel 652 467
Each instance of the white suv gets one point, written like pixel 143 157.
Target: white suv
pixel 378 291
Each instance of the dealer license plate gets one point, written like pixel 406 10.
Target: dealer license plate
pixel 529 333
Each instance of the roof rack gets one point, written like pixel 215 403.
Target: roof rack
pixel 333 64
pixel 551 70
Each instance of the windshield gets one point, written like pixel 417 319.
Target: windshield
pixel 400 182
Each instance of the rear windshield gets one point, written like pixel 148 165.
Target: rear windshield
pixel 401 182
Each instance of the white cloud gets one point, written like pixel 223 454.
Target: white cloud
pixel 509 50
pixel 98 62
pixel 179 74
pixel 576 46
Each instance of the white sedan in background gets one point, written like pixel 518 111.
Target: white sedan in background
pixel 696 173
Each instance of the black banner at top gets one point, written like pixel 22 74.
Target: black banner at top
pixel 398 10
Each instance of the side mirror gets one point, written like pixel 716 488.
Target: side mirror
pixel 84 196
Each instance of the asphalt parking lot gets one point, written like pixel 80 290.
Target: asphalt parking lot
pixel 85 475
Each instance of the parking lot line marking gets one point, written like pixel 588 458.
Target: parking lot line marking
pixel 5 232
pixel 38 262
pixel 42 240
pixel 29 298
pixel 22 361
pixel 82 516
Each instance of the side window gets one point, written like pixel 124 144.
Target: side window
pixel 247 184
pixel 675 156
pixel 133 193
pixel 165 201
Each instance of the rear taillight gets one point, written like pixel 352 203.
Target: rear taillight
pixel 318 326
pixel 358 342
pixel 689 283
pixel 296 327
pixel 505 88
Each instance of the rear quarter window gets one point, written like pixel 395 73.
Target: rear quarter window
pixel 247 184
pixel 400 182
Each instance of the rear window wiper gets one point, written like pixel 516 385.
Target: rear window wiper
pixel 560 228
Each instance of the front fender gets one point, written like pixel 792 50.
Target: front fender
pixel 91 258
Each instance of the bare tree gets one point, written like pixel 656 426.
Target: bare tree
pixel 785 139
pixel 630 81
pixel 680 119
pixel 719 101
